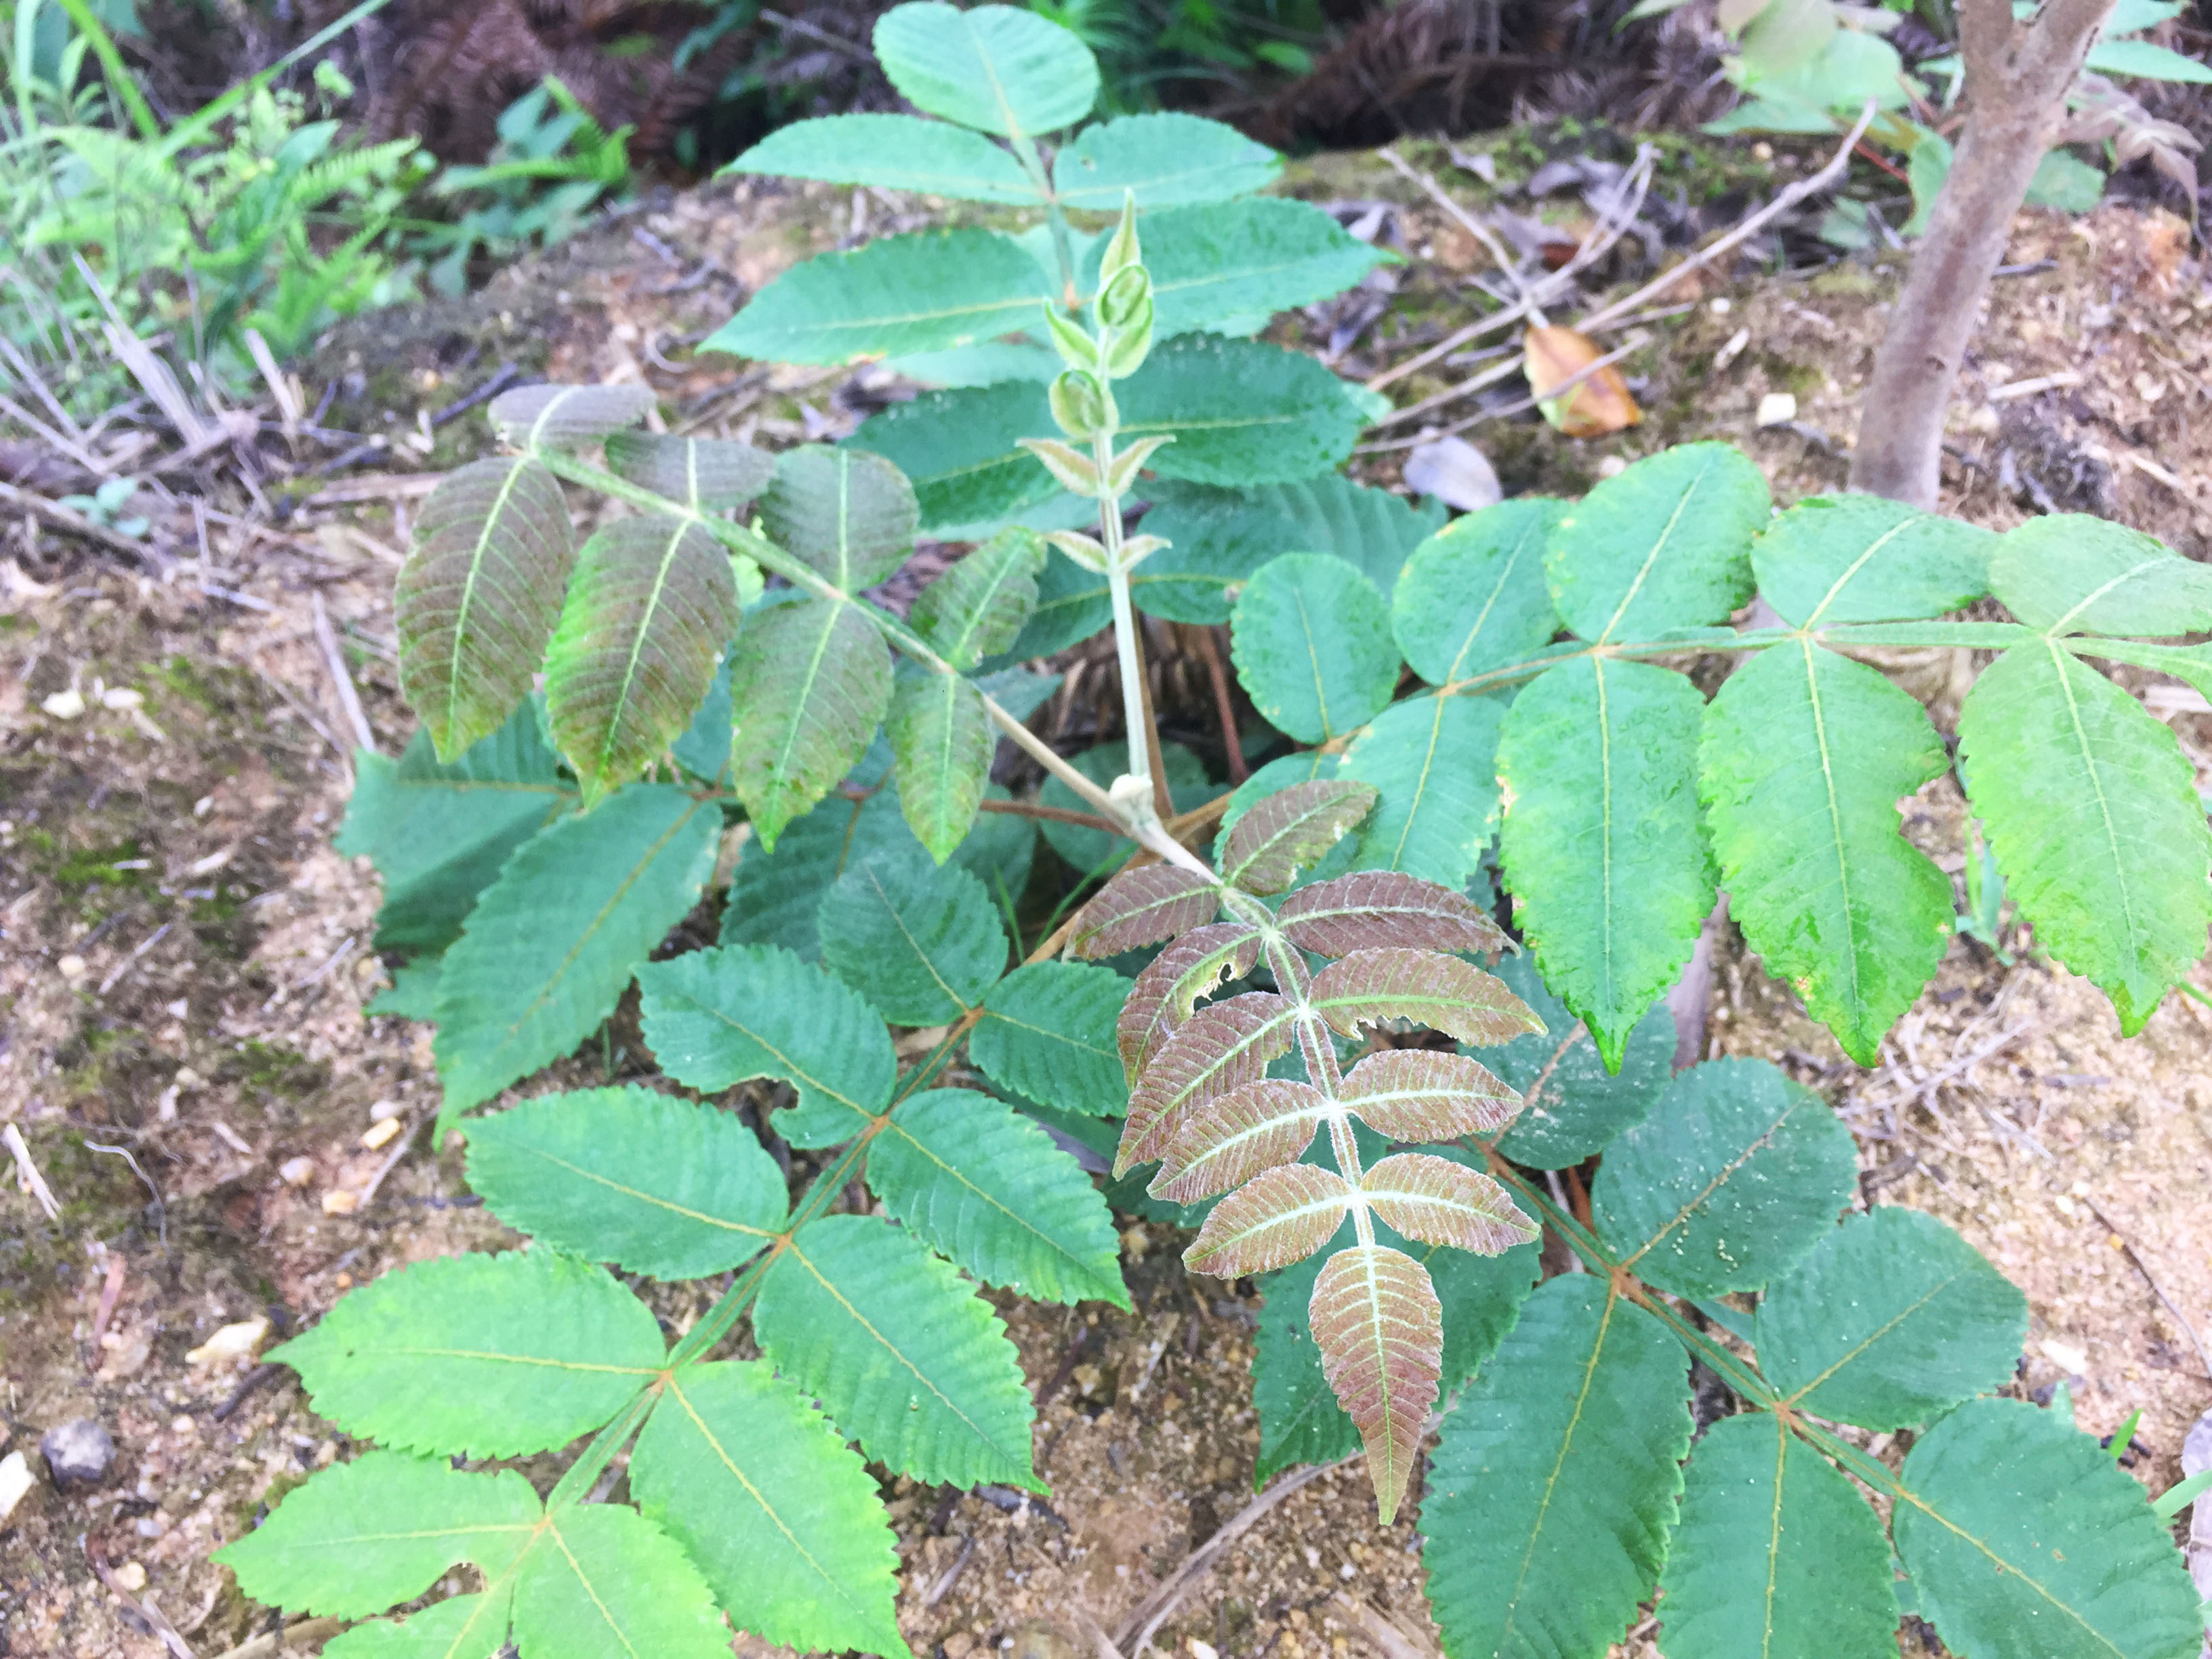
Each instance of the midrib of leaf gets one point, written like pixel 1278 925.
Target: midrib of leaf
pixel 545 991
pixel 844 520
pixel 1566 1447
pixel 889 1346
pixel 1843 581
pixel 1014 128
pixel 474 785
pixel 1904 1494
pixel 1339 1200
pixel 1652 557
pixel 2098 592
pixel 1111 1054
pixel 553 1531
pixel 956 647
pixel 424 1532
pixel 1872 1338
pixel 1421 784
pixel 805 1077
pixel 879 320
pixel 1236 274
pixel 1719 1181
pixel 1217 423
pixel 645 1198
pixel 1773 1540
pixel 834 609
pixel 1397 1477
pixel 411 1353
pixel 637 641
pixel 1605 809
pixel 475 568
pixel 497 1603
pixel 1513 561
pixel 829 1578
pixel 2059 660
pixel 538 426
pixel 913 944
pixel 1313 660
pixel 949 1173
pixel 1851 942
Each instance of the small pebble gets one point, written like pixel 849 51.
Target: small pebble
pixel 78 1453
pixel 339 1202
pixel 16 1479
pixel 131 1575
pixel 380 1132
pixel 71 967
pixel 1775 407
pixel 64 705
pixel 297 1171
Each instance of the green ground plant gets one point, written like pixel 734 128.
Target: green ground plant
pixel 1317 1046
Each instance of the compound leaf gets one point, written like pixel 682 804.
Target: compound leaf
pixel 1442 992
pixel 1288 830
pixel 1165 159
pixel 1046 1035
pixel 989 1188
pixel 848 513
pixel 929 291
pixel 1242 412
pixel 1602 846
pixel 1551 1494
pixel 1421 1094
pixel 1804 757
pixel 1736 1175
pixel 1311 637
pixel 978 606
pixel 1224 1046
pixel 602 1580
pixel 999 69
pixel 459 1624
pixel 920 941
pixel 533 414
pixel 1861 559
pixel 1370 909
pixel 1433 760
pixel 547 951
pixel 1472 597
pixel 1283 1215
pixel 899 1350
pixel 478 596
pixel 1231 1138
pixel 1439 1201
pixel 1143 907
pixel 893 152
pixel 941 748
pixel 1215 265
pixel 707 475
pixel 1665 544
pixel 808 682
pixel 1195 966
pixel 2068 572
pixel 653 1184
pixel 1893 1319
pixel 1775 1553
pixel 2091 810
pixel 489 1355
pixel 2025 1541
pixel 652 605
pixel 1379 1329
pixel 361 1536
pixel 746 1472
pixel 1574 1106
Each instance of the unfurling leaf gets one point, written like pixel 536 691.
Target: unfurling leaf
pixel 978 606
pixel 1440 1202
pixel 1224 1045
pixel 1195 966
pixel 810 682
pixel 848 513
pixel 1422 1094
pixel 533 415
pixel 707 475
pixel 480 594
pixel 1372 908
pixel 1289 830
pixel 1070 467
pixel 1442 992
pixel 650 609
pixel 1143 907
pixel 1597 404
pixel 1380 1330
pixel 1228 1140
pixel 1282 1216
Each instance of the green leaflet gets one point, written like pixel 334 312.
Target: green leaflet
pixel 480 594
pixel 740 1469
pixel 439 831
pixel 1603 847
pixel 1073 603
pixel 990 1190
pixel 1214 264
pixel 810 681
pixel 651 607
pixel 1862 559
pixel 1434 760
pixel 653 1184
pixel 929 291
pixel 2025 1541
pixel 892 152
pixel 1088 851
pixel 1553 1489
pixel 1312 643
pixel 546 953
pixel 715 1019
pixel 492 1356
pixel 1893 1319
pixel 413 993
pixel 848 513
pixel 707 475
pixel 959 449
pixel 1472 597
pixel 1212 551
pixel 458 1624
pixel 2091 810
pixel 1736 1175
pixel 1242 412
pixel 2068 572
pixel 978 606
pixel 997 69
pixel 1775 1553
pixel 922 942
pixel 1367 527
pixel 1665 544
pixel 1046 1035
pixel 1164 160
pixel 942 742
pixel 899 1350
pixel 360 1537
pixel 531 415
pixel 1581 1106
pixel 605 1580
pixel 1804 757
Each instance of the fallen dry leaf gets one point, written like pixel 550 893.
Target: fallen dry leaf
pixel 1595 405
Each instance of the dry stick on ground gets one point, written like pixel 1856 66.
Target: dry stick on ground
pixel 340 679
pixel 1496 372
pixel 58 517
pixel 2128 1249
pixel 2017 75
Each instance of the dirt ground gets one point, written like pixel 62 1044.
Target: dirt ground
pixel 185 959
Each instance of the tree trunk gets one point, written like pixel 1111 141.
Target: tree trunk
pixel 2016 79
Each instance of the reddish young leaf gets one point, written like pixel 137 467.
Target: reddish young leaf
pixel 1440 1202
pixel 1283 1217
pixel 1227 1141
pixel 1442 992
pixel 1372 908
pixel 1289 829
pixel 1172 982
pixel 1224 1045
pixel 1380 1329
pixel 1142 906
pixel 1423 1094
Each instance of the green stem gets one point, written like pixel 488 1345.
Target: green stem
pixel 120 81
pixel 572 1487
pixel 1125 617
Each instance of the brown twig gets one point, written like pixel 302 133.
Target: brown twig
pixel 1225 706
pixel 157 1623
pixel 2128 1250
pixel 1489 376
pixel 57 517
pixel 1030 809
pixel 334 659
